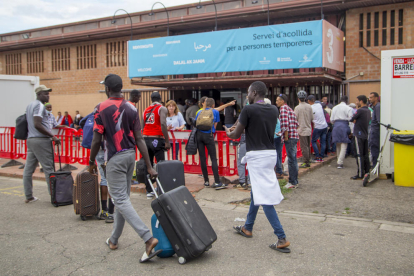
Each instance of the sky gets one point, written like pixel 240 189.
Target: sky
pixel 19 15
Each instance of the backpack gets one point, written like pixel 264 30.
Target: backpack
pixel 205 119
pixel 87 126
pixel 22 130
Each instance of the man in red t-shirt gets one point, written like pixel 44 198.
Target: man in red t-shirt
pixel 155 132
pixel 118 122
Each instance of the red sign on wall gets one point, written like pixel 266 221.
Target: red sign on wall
pixel 403 68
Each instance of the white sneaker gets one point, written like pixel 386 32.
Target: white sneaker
pixel 150 195
pixel 290 186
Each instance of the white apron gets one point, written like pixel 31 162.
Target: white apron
pixel 265 186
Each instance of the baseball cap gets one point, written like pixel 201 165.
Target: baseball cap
pixel 42 88
pixel 156 95
pixel 311 98
pixel 302 94
pixel 113 82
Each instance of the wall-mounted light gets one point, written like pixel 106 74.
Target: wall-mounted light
pixel 168 17
pixel 268 10
pixel 26 36
pixel 199 6
pixel 113 21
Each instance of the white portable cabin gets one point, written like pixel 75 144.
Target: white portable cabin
pixel 397 98
pixel 16 93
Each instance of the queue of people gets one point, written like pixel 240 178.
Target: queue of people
pixel 263 129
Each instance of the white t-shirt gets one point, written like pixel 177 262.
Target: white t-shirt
pixel 319 121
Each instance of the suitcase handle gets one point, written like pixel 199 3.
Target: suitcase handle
pixel 152 186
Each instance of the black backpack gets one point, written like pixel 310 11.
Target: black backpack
pixel 22 130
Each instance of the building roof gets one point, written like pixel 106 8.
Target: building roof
pixel 224 81
pixel 182 19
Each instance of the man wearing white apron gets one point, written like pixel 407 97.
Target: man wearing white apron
pixel 259 121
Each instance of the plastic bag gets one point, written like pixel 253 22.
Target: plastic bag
pixel 402 139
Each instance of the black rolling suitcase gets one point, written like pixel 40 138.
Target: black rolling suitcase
pixel 187 228
pixel 171 174
pixel 61 186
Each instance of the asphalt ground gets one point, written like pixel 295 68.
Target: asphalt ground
pixel 331 191
pixel 38 239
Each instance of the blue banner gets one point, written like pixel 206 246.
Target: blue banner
pixel 295 45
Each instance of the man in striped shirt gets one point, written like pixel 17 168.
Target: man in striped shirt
pixel 290 137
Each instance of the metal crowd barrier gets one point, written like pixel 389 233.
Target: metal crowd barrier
pixel 73 153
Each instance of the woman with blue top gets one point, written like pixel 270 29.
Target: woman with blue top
pixel 175 121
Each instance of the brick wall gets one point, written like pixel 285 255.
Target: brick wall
pixel 75 89
pixel 74 81
pixel 357 59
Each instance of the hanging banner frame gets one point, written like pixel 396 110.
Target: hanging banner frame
pixel 310 44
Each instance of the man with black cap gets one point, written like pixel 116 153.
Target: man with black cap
pixel 118 122
pixel 155 132
pixel 39 142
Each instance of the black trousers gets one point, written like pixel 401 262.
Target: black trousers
pixel 155 148
pixel 207 140
pixel 362 157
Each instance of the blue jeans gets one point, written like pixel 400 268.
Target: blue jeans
pixel 100 159
pixel 328 142
pixel 333 149
pixel 177 151
pixel 241 168
pixel 291 151
pixel 319 133
pixel 271 215
pixel 279 147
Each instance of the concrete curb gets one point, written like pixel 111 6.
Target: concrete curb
pixel 315 166
pixel 383 225
pixel 136 189
pixel 14 175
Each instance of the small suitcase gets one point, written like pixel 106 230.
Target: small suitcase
pixel 171 174
pixel 187 228
pixel 163 242
pixel 60 184
pixel 86 194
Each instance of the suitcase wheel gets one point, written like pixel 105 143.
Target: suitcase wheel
pixel 182 260
pixel 208 248
pixel 83 218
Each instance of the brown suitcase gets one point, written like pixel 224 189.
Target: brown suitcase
pixel 86 195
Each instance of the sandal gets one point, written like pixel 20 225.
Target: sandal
pixel 109 243
pixel 281 246
pixel 146 258
pixel 239 230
